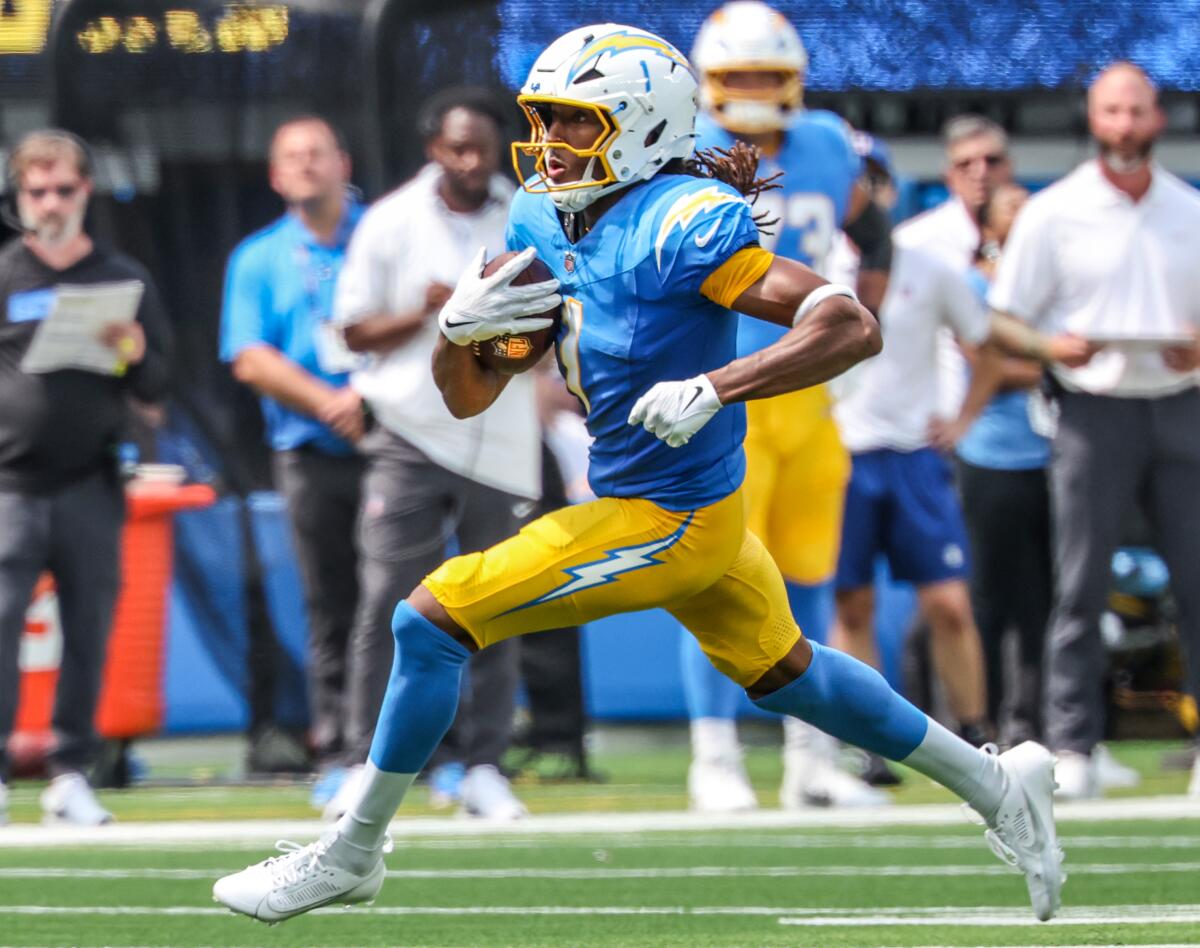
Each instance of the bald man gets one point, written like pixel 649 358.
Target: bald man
pixel 1110 253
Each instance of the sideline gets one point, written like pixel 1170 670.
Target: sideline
pixel 257 832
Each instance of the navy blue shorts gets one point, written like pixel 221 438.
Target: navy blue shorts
pixel 903 505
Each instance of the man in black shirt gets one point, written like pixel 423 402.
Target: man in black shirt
pixel 61 501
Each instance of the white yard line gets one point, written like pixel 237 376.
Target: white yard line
pixel 641 872
pixel 939 916
pixel 251 831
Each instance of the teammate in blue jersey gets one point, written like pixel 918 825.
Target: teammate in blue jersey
pixel 752 65
pixel 649 259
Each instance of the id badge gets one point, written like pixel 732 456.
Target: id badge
pixel 333 355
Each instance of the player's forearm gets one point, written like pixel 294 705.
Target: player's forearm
pixel 836 335
pixel 1014 338
pixel 382 332
pixel 270 373
pixel 468 387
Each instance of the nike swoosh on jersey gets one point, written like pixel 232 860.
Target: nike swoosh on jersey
pixel 703 239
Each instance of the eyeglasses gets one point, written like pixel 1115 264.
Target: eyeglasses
pixel 993 160
pixel 64 191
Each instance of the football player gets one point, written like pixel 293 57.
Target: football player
pixel 651 262
pixel 752 66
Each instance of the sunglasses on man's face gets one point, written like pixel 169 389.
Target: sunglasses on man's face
pixel 64 191
pixel 993 160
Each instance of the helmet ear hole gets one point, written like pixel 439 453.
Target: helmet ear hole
pixel 655 133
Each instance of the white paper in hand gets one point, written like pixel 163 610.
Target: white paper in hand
pixel 69 336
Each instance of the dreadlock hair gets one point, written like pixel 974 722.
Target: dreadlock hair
pixel 736 166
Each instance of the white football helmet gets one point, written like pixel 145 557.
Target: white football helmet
pixel 748 36
pixel 640 87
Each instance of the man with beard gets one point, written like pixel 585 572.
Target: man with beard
pixel 1109 253
pixel 61 499
pixel 434 479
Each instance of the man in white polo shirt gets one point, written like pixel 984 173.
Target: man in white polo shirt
pixel 433 479
pixel 1111 253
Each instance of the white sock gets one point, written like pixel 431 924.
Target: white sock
pixel 961 768
pixel 714 739
pixel 803 739
pixel 361 830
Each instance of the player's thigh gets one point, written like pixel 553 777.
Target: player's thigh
pixel 762 465
pixel 927 538
pixel 806 516
pixel 776 431
pixel 742 621
pixel 587 561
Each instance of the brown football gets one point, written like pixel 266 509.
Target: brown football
pixel 511 355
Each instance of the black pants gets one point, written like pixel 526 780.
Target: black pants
pixel 1108 453
pixel 411 509
pixel 75 534
pixel 1008 523
pixel 323 493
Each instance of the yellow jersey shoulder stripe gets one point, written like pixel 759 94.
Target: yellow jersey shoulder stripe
pixel 736 275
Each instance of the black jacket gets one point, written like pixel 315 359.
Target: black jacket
pixel 57 427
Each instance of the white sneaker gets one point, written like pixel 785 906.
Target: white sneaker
pixel 809 780
pixel 302 879
pixel 1022 833
pixel 1110 773
pixel 346 796
pixel 1075 776
pixel 720 785
pixel 487 794
pixel 1194 784
pixel 69 799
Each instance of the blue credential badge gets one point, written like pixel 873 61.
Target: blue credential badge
pixel 30 306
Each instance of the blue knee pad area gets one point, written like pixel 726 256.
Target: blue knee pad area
pixel 850 700
pixel 422 693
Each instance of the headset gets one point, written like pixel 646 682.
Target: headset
pixel 8 204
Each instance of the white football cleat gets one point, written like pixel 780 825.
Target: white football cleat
pixel 812 780
pixel 69 799
pixel 487 794
pixel 1108 772
pixel 720 785
pixel 301 879
pixel 1021 831
pixel 1075 776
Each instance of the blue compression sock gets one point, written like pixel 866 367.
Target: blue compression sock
pixel 422 693
pixel 850 700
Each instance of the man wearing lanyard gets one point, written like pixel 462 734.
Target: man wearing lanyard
pixel 276 333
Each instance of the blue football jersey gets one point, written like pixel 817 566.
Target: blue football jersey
pixel 633 316
pixel 820 167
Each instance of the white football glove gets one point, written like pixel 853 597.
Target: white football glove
pixel 674 411
pixel 482 307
